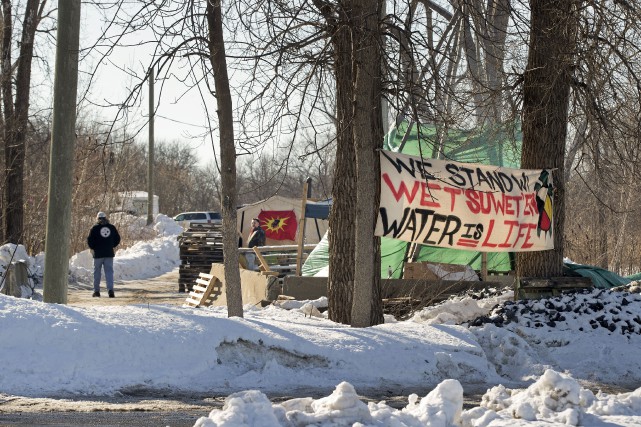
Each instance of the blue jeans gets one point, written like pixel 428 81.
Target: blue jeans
pixel 251 261
pixel 108 264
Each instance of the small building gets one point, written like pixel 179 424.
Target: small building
pixel 135 203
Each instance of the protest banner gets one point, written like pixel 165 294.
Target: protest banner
pixel 465 206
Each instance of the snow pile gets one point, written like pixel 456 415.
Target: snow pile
pixel 612 309
pixel 461 309
pixel 13 253
pixel 132 227
pixel 554 399
pixel 145 259
pixel 528 355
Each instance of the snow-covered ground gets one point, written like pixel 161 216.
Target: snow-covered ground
pixel 533 357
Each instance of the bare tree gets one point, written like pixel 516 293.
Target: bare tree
pixel 368 138
pixel 446 65
pixel 16 112
pixel 546 96
pixel 228 157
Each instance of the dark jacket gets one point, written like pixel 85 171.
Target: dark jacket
pixel 257 238
pixel 102 240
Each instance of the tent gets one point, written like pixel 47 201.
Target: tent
pixel 281 218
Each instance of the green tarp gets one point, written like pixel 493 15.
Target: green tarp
pixel 634 277
pixel 494 147
pixel 499 147
pixel 601 278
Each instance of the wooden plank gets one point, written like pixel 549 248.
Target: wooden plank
pixel 263 264
pixel 282 248
pixel 208 292
pixel 541 287
pixel 301 229
pixel 555 282
pixel 200 289
pixel 290 267
pixel 192 302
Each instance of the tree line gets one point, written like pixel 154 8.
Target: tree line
pixel 182 182
pixel 561 73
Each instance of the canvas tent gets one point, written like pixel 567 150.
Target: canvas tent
pixel 284 215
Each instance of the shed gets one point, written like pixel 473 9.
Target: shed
pixel 135 202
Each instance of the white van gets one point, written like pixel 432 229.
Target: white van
pixel 185 218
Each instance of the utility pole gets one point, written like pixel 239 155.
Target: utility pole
pixel 63 141
pixel 150 166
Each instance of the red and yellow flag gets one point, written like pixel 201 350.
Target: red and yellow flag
pixel 279 225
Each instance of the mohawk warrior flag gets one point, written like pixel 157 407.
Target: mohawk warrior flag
pixel 279 225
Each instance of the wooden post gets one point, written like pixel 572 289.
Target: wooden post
pixel 307 190
pixel 484 266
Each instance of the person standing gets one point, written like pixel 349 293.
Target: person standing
pixel 256 238
pixel 102 240
pixel 256 234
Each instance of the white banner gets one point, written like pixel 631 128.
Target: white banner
pixel 464 205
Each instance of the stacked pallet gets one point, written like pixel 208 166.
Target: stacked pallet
pixel 200 246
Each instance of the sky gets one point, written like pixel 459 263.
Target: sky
pixel 179 116
pixel 531 360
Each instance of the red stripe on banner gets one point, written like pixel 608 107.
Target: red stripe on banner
pixel 470 243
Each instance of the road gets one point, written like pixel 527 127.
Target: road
pixel 158 290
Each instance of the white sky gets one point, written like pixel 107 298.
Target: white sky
pixel 532 374
pixel 178 116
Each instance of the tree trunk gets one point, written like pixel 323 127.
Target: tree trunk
pixel 498 16
pixel 343 212
pixel 7 109
pixel 368 137
pixel 227 158
pixel 16 117
pixel 546 92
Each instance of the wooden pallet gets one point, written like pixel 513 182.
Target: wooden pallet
pixel 205 291
pixel 528 288
pixel 200 246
